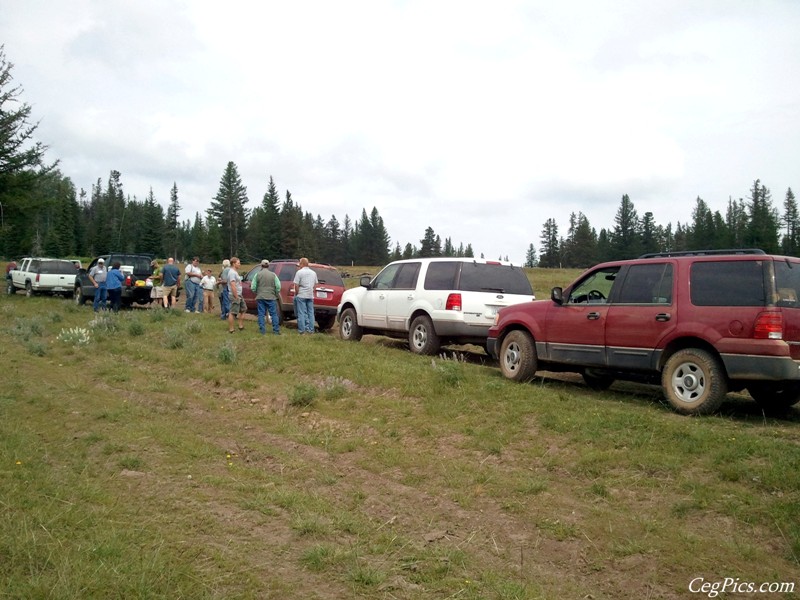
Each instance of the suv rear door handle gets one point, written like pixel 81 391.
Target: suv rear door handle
pixel 663 317
pixel 593 316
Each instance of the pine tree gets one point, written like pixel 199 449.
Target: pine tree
pixel 228 210
pixel 428 244
pixel 549 251
pixel 626 237
pixel 762 230
pixel 171 224
pixel 790 245
pixel 530 257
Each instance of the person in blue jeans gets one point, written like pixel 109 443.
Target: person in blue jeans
pixel 267 288
pixel 225 295
pixel 114 283
pixel 194 294
pixel 304 282
pixel 98 275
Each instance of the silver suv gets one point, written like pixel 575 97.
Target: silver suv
pixel 432 301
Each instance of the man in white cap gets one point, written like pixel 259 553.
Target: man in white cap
pixel 98 275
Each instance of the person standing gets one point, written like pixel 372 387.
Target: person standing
pixel 98 276
pixel 238 307
pixel 192 285
pixel 171 279
pixel 114 283
pixel 156 292
pixel 208 283
pixel 224 295
pixel 304 282
pixel 267 288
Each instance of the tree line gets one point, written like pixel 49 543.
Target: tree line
pixel 753 222
pixel 42 213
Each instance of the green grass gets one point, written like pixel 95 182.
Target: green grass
pixel 165 459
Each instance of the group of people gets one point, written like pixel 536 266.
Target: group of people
pixel 108 285
pixel 200 290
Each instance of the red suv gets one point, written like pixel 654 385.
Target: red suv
pixel 704 323
pixel 327 293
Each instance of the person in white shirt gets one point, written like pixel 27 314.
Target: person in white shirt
pixel 304 282
pixel 208 284
pixel 191 286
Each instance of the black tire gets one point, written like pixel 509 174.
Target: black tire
pixel 694 382
pixel 10 289
pixel 597 380
pixel 80 299
pixel 325 322
pixel 349 329
pixel 422 338
pixel 28 289
pixel 775 397
pixel 518 359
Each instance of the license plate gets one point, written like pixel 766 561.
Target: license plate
pixel 323 295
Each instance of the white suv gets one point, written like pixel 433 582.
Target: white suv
pixel 433 301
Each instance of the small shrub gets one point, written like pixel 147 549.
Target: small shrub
pixel 227 354
pixel 36 348
pixel 303 395
pixel 157 315
pixel 135 328
pixel 194 327
pixel 75 336
pixel 27 328
pixel 55 317
pixel 173 339
pixel 104 323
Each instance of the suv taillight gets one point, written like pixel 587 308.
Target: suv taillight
pixel 769 326
pixel 453 302
pixel 38 275
pixel 128 281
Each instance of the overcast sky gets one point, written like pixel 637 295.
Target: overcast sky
pixel 479 119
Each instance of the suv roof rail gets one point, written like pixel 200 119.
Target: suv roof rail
pixel 704 252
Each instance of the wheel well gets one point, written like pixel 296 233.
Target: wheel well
pixel 346 306
pixel 690 342
pixel 418 313
pixel 509 329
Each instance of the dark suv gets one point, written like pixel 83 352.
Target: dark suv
pixel 137 269
pixel 704 323
pixel 327 293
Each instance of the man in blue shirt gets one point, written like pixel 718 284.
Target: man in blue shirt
pixel 171 279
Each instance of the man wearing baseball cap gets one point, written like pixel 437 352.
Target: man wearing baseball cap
pixel 267 288
pixel 98 276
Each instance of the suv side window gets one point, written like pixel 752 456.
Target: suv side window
pixel 787 283
pixel 441 276
pixel 594 289
pixel 407 276
pixel 728 283
pixel 647 284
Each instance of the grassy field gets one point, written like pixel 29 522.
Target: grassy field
pixel 153 455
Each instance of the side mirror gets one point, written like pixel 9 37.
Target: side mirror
pixel 557 295
pixel 365 281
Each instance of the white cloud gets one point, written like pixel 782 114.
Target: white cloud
pixel 478 120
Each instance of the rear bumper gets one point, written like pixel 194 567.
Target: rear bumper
pixel 761 368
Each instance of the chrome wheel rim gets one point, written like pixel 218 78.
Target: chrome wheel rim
pixel 689 382
pixel 512 357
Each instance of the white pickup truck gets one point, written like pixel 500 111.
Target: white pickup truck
pixel 43 276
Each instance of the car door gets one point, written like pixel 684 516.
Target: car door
pixel 400 298
pixel 641 315
pixel 373 304
pixel 576 328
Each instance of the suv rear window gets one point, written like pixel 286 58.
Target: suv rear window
pixel 728 283
pixel 58 267
pixel 480 277
pixel 476 277
pixel 328 276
